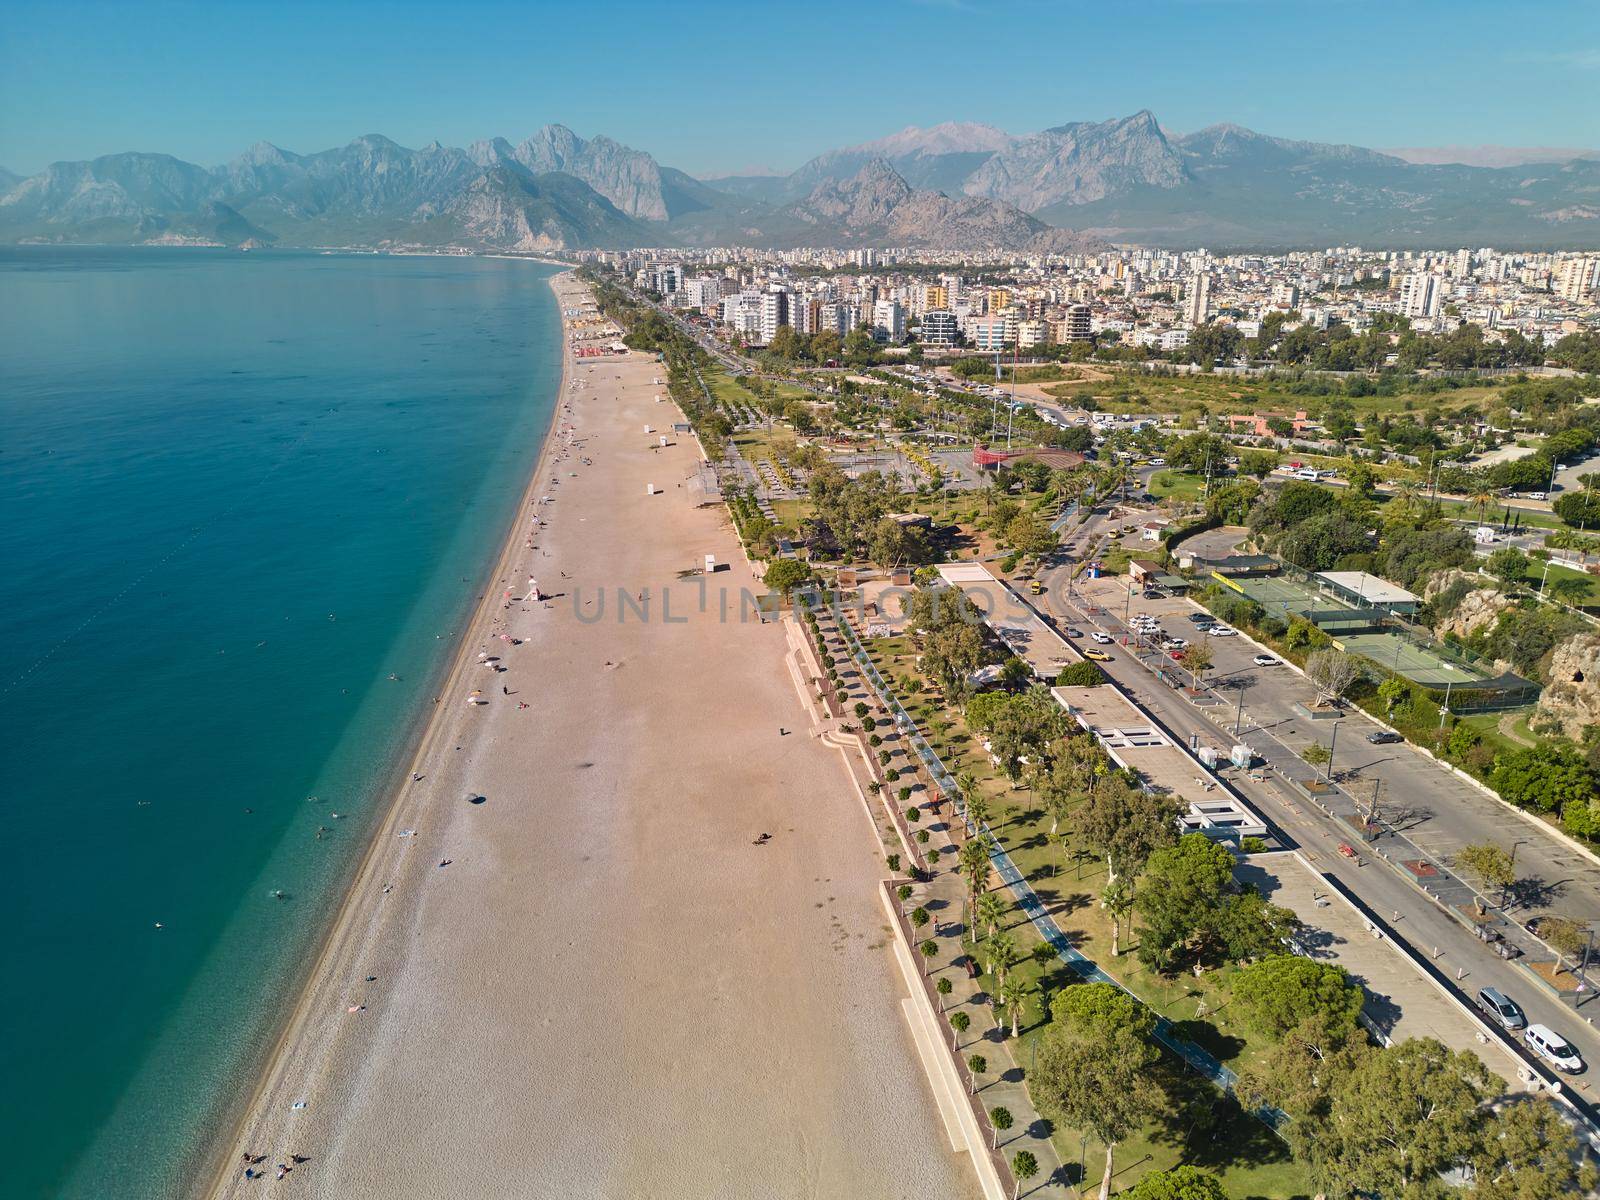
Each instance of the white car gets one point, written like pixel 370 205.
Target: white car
pixel 1175 644
pixel 1264 660
pixel 1222 631
pixel 1103 638
pixel 1553 1048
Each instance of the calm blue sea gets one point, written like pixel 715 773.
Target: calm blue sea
pixel 237 493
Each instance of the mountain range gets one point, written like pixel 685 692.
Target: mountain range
pixel 953 187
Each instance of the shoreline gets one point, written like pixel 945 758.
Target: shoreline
pixel 215 1162
pixel 499 1026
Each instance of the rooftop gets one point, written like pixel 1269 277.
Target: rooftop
pixel 1369 588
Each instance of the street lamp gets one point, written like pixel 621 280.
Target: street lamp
pixel 1333 743
pixel 1238 713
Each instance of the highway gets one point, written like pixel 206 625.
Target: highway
pixel 1419 799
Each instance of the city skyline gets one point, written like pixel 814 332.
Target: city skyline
pixel 201 83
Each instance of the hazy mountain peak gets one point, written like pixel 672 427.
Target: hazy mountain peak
pixel 948 137
pixel 265 154
pixel 1488 156
pixel 488 152
pixel 1080 162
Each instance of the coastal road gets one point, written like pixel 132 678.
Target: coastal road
pixel 1441 811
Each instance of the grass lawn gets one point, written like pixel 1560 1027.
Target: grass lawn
pixel 1200 1127
pixel 1132 391
pixel 1488 726
pixel 791 512
pixel 1181 485
pixel 1494 513
pixel 1591 583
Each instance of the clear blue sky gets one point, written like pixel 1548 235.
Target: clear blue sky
pixel 713 87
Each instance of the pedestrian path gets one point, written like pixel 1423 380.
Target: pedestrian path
pixel 1002 1082
pixel 1027 899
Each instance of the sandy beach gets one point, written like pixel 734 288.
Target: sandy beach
pixel 590 982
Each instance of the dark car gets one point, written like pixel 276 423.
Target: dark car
pixel 1384 737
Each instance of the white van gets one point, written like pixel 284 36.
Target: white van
pixel 1306 473
pixel 1553 1048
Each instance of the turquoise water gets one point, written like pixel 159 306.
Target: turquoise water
pixel 237 493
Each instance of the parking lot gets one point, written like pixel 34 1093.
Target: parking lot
pixel 1402 1002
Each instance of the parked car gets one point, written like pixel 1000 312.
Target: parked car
pixel 1175 644
pixel 1553 1048
pixel 1200 618
pixel 1103 638
pixel 1501 1008
pixel 1222 631
pixel 1264 660
pixel 1384 737
pixel 1071 632
pixel 1097 655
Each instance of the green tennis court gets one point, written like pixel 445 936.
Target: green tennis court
pixel 1395 653
pixel 1277 595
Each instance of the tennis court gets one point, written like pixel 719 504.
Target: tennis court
pixel 1396 653
pixel 1279 595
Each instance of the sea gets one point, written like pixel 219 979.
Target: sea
pixel 247 502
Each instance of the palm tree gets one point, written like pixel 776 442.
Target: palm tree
pixel 1002 952
pixel 1118 901
pixel 990 911
pixel 967 785
pixel 975 866
pixel 978 810
pixel 1012 994
pixel 1481 499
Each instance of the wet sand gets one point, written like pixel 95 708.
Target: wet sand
pixel 609 991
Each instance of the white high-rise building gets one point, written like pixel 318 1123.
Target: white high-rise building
pixel 1419 295
pixel 1076 326
pixel 890 316
pixel 1285 296
pixel 703 293
pixel 1575 278
pixel 1197 308
pixel 774 313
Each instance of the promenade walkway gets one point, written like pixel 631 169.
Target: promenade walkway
pixel 1027 899
pixel 942 896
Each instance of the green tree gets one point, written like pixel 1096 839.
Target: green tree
pixel 1024 1166
pixel 786 574
pixel 1180 1183
pixel 1126 824
pixel 1000 1118
pixel 1401 1118
pixel 991 912
pixel 1013 995
pixel 1528 1152
pixel 1094 1066
pixel 1280 993
pixel 1542 778
pixel 1510 566
pixel 1258 463
pixel 1082 673
pixel 1030 535
pixel 1183 889
pixel 1489 864
pixel 974 861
